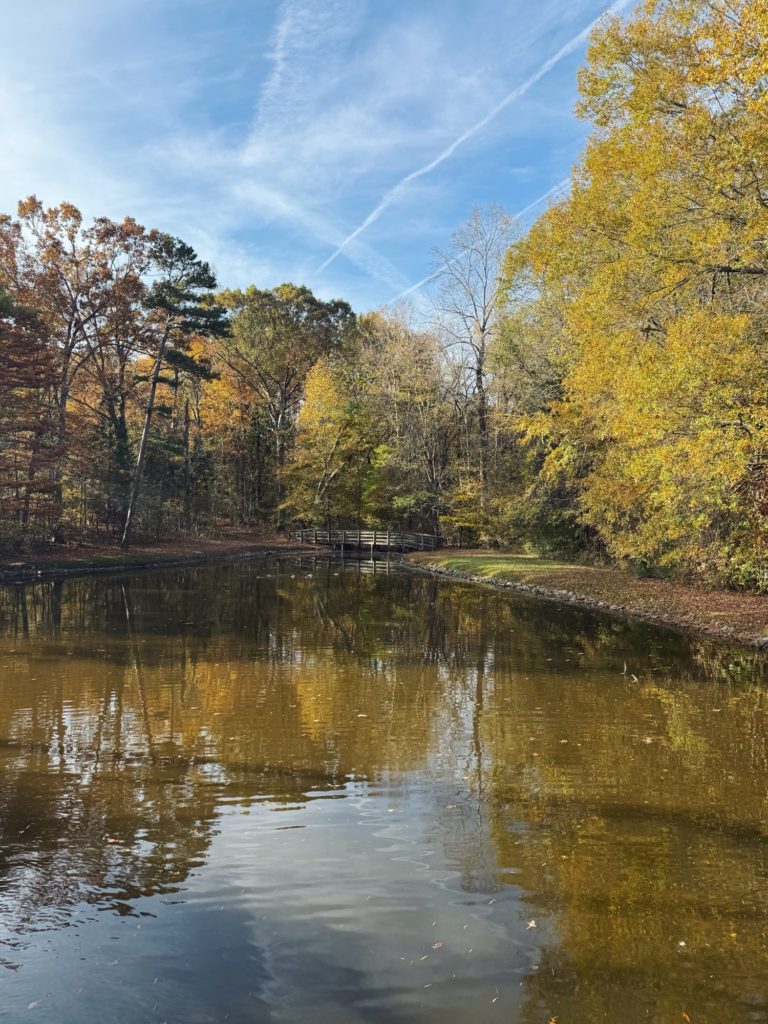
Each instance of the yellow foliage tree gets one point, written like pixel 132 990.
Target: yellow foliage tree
pixel 658 265
pixel 334 444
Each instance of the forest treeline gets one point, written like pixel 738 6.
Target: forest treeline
pixel 597 384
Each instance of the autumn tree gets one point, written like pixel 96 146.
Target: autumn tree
pixel 229 417
pixel 277 337
pixel 335 443
pixel 178 309
pixel 466 316
pixel 657 265
pixel 411 399
pixel 79 280
pixel 28 425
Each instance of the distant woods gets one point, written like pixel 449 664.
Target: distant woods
pixel 596 385
pixel 138 398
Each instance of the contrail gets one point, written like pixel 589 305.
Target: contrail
pixel 419 284
pixel 521 90
pixel 436 273
pixel 550 192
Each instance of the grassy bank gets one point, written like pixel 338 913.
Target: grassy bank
pixel 725 614
pixel 94 558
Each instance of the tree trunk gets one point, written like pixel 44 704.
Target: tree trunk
pixel 280 459
pixel 139 470
pixel 187 468
pixel 482 424
pixel 61 437
pixel 259 485
pixel 280 484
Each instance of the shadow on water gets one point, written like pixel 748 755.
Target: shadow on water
pixel 302 784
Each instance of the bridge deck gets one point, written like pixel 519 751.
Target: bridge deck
pixel 383 540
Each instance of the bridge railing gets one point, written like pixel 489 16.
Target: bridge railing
pixel 392 540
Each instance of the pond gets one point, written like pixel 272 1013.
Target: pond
pixel 302 790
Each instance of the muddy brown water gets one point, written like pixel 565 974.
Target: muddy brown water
pixel 296 790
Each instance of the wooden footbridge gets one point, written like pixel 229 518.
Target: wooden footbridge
pixel 370 540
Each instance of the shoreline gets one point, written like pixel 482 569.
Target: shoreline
pixel 92 561
pixel 725 616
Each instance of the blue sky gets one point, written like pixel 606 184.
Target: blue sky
pixel 267 132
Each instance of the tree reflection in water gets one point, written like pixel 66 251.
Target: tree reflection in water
pixel 625 816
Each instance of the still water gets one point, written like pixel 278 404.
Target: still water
pixel 298 791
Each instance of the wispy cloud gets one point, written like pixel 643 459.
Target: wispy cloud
pixel 253 129
pixel 306 57
pixel 397 190
pixel 307 60
pixel 271 203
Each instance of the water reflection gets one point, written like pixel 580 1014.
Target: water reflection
pixel 307 790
